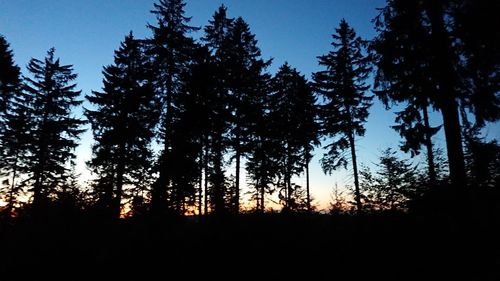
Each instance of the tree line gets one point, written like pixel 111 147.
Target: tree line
pixel 211 102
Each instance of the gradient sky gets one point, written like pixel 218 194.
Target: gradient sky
pixel 85 33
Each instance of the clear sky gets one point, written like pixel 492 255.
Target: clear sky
pixel 85 33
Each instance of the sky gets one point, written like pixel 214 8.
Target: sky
pixel 85 34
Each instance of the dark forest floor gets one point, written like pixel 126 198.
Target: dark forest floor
pixel 310 247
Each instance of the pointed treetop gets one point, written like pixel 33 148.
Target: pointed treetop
pixel 171 14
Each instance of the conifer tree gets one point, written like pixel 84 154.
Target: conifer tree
pixel 392 185
pixel 414 87
pixel 216 40
pixel 54 130
pixel 447 50
pixel 343 87
pixel 291 106
pixel 10 76
pixel 171 51
pixel 123 121
pixel 14 127
pixel 246 81
pixel 478 40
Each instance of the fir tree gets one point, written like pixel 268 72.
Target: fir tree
pixel 474 29
pixel 246 82
pixel 171 51
pixel 241 75
pixel 415 86
pixel 14 127
pixel 10 76
pixel 290 120
pixel 123 122
pixel 393 184
pixel 346 102
pixel 54 132
pixel 216 40
pixel 445 54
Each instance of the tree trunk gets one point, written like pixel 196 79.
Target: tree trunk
pixel 205 193
pixel 288 176
pixel 218 182
pixel 37 187
pixel 446 79
pixel 12 186
pixel 120 171
pixel 200 183
pixel 430 152
pixel 355 171
pixel 262 197
pixel 237 181
pixel 454 144
pixel 307 181
pixel 159 194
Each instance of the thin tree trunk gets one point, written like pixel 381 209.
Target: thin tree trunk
pixel 237 148
pixel 237 180
pixel 355 171
pixel 307 181
pixel 200 188
pixel 262 197
pixel 37 187
pixel 288 177
pixel 159 194
pixel 12 186
pixel 428 144
pixel 218 193
pixel 205 193
pixel 120 170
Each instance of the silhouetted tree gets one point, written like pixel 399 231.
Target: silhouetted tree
pixel 10 76
pixel 478 42
pixel 54 130
pixel 123 122
pixel 262 170
pixel 265 149
pixel 474 25
pixel 309 128
pixel 414 85
pixel 338 203
pixel 392 185
pixel 201 117
pixel 70 198
pixel 482 158
pixel 171 51
pixel 245 81
pixel 346 102
pixel 291 106
pixel 241 76
pixel 216 39
pixel 448 59
pixel 14 127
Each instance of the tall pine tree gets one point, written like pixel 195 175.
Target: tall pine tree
pixel 454 49
pixel 216 39
pixel 414 86
pixel 291 106
pixel 343 87
pixel 55 131
pixel 14 127
pixel 171 50
pixel 474 29
pixel 10 76
pixel 247 83
pixel 123 122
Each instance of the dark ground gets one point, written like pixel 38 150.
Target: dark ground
pixel 270 246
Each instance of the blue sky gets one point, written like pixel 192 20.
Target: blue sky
pixel 85 33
